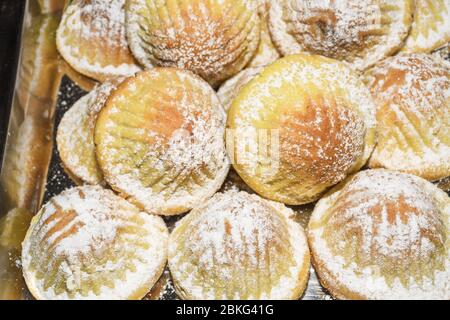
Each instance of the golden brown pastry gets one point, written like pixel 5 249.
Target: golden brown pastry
pixel 92 39
pixel 303 125
pixel 231 88
pixel 412 93
pixel 213 38
pixel 88 243
pixel 359 32
pixel 431 26
pixel 239 246
pixel 160 141
pixel 383 235
pixel 75 135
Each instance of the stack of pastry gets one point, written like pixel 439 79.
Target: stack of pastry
pixel 314 102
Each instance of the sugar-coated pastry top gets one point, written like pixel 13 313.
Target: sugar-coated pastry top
pixel 431 26
pixel 239 246
pixel 412 93
pixel 214 39
pixel 383 235
pixel 160 140
pixel 319 122
pixel 92 39
pixel 88 243
pixel 360 32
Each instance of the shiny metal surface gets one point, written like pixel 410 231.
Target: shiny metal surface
pixel 31 173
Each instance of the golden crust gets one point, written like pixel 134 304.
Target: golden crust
pixel 412 92
pixel 241 269
pixel 214 39
pixel 160 141
pixel 91 38
pixel 317 120
pixel 88 243
pixel 382 235
pixel 359 32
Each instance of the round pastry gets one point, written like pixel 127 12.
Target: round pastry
pixel 239 246
pixel 266 52
pixel 383 235
pixel 88 243
pixel 231 88
pixel 359 32
pixel 75 136
pixel 431 26
pixel 214 39
pixel 92 39
pixel 303 125
pixel 412 93
pixel 160 141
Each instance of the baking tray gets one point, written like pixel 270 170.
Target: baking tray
pixel 33 101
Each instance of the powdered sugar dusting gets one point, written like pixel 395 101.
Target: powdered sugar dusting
pixel 360 32
pixel 87 243
pixel 238 246
pixel 384 235
pixel 412 92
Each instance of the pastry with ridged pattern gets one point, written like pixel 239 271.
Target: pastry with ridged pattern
pixel 92 39
pixel 359 32
pixel 412 93
pixel 160 141
pixel 431 26
pixel 239 246
pixel 88 243
pixel 212 38
pixel 383 235
pixel 303 125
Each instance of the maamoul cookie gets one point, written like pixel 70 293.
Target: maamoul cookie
pixel 92 39
pixel 213 38
pixel 412 93
pixel 431 26
pixel 359 32
pixel 266 52
pixel 303 125
pixel 88 243
pixel 75 136
pixel 383 235
pixel 231 88
pixel 239 246
pixel 160 141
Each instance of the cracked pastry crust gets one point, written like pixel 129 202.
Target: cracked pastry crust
pixel 160 141
pixel 359 32
pixel 214 39
pixel 300 127
pixel 92 39
pixel 239 246
pixel 383 235
pixel 412 93
pixel 88 243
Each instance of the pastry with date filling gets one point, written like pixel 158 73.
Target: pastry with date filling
pixel 412 93
pixel 212 38
pixel 359 32
pixel 383 235
pixel 160 141
pixel 431 26
pixel 239 246
pixel 300 127
pixel 88 243
pixel 92 39
pixel 266 52
pixel 75 136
